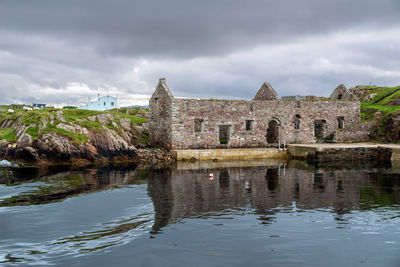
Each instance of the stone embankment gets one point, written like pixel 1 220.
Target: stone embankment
pixel 229 154
pixel 344 153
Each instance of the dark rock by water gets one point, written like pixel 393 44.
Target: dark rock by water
pixel 69 135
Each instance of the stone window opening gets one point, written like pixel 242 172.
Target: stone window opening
pixel 224 134
pixel 296 122
pixel 249 125
pixel 198 125
pixel 112 103
pixel 340 121
pixel 251 107
pixel 272 135
pixel 104 103
pixel 319 128
pixel 340 96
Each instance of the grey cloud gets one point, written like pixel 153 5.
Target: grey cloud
pixel 189 28
pixel 204 48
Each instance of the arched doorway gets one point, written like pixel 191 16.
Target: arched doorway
pixel 272 132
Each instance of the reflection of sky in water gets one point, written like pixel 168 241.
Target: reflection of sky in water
pixel 254 215
pixel 76 225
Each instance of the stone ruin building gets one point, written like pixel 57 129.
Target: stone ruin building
pixel 181 123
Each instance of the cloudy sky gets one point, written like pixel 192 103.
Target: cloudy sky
pixel 64 51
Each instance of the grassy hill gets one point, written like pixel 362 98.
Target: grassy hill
pixel 64 134
pixel 46 120
pixel 374 99
pixel 380 107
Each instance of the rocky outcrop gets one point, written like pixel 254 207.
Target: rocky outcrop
pixel 389 129
pixel 358 132
pixel 56 137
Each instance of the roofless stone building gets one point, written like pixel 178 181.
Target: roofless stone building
pixel 180 123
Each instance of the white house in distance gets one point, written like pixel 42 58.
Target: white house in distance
pixel 102 103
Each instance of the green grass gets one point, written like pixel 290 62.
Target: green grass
pixel 6 134
pixel 27 117
pixel 79 113
pixel 129 113
pixel 93 126
pixel 33 131
pixel 381 92
pixel 139 120
pixel 34 119
pixel 391 98
pixel 367 107
pixel 223 140
pixel 75 138
pixel 112 127
pixel 144 138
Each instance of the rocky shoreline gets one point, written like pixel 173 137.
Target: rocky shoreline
pixel 78 137
pixel 143 156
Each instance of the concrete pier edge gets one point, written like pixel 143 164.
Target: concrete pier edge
pixel 230 154
pixel 309 152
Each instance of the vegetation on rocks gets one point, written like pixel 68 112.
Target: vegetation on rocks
pixel 380 113
pixel 73 133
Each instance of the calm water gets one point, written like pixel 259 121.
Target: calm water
pixel 250 214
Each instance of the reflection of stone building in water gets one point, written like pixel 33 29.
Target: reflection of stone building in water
pixel 183 193
pixel 179 123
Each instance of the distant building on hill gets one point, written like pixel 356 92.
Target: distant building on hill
pixel 36 105
pixel 102 103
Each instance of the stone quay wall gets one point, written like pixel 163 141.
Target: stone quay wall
pixel 212 114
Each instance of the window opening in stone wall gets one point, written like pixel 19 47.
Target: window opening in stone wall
pixel 249 125
pixel 296 121
pixel 112 103
pixel 224 134
pixel 319 128
pixel 272 132
pixel 340 121
pixel 198 125
pixel 340 96
pixel 104 103
pixel 251 107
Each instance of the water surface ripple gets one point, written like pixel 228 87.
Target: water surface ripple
pixel 252 213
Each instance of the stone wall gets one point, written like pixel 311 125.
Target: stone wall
pixel 215 113
pixel 161 116
pixel 177 123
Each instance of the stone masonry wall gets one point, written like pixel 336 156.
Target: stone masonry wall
pixel 161 116
pixel 214 113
